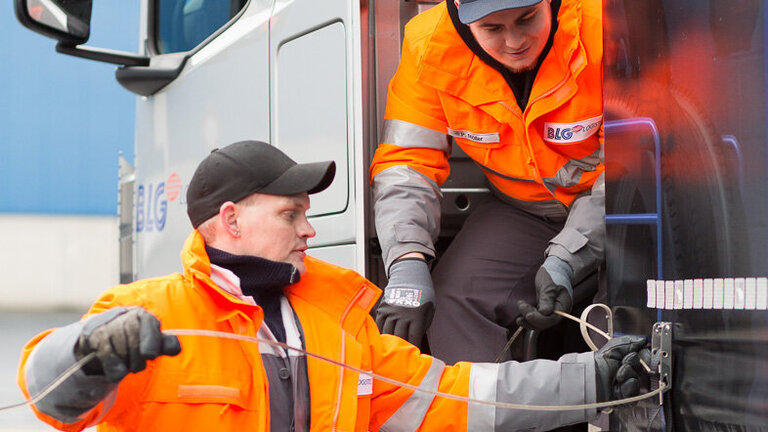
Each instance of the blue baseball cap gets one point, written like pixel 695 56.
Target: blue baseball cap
pixel 473 10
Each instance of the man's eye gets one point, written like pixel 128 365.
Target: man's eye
pixel 526 18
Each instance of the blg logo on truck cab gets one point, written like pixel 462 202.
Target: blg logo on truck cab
pixel 152 203
pixel 563 133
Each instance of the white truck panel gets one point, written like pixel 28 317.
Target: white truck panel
pixel 282 73
pixel 221 96
pixel 315 97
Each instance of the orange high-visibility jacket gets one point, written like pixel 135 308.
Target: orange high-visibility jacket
pixel 541 158
pixel 220 385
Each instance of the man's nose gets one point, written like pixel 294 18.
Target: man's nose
pixel 514 39
pixel 306 230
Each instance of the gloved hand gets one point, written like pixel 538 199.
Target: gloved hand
pixel 553 292
pixel 408 304
pixel 618 371
pixel 123 340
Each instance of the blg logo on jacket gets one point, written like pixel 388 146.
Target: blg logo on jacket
pixel 563 133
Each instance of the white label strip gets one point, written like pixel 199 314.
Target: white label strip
pixel 717 294
pixel 688 294
pixel 739 293
pixel 761 296
pixel 698 293
pixel 660 294
pixel 679 295
pixel 708 293
pixel 750 293
pixel 728 293
pixel 721 293
pixel 651 285
pixel 669 294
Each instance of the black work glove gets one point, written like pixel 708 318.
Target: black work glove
pixel 553 293
pixel 618 371
pixel 123 340
pixel 409 301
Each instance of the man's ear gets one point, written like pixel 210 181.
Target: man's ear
pixel 456 2
pixel 228 214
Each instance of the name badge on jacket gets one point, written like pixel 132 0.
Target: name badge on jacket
pixel 364 385
pixel 484 138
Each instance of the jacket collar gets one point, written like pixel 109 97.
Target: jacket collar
pixel 448 63
pixel 197 266
pixel 339 290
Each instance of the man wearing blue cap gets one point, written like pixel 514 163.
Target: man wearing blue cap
pixel 517 84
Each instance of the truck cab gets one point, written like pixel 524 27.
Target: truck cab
pixel 307 77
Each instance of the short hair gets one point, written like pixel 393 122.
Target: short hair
pixel 208 228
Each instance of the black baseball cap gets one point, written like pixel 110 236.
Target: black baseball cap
pixel 238 170
pixel 473 10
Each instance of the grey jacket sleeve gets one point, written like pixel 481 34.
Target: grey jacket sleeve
pixel 581 243
pixel 407 212
pixel 567 381
pixel 78 394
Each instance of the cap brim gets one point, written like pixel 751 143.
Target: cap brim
pixel 471 12
pixel 309 177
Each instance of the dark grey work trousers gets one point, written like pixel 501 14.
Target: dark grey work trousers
pixel 488 267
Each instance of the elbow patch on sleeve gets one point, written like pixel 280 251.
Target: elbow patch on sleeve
pixel 412 233
pixel 569 239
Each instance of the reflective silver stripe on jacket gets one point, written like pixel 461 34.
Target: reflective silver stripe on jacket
pixel 404 134
pixel 407 212
pixel 569 380
pixel 483 381
pixel 570 173
pixel 411 413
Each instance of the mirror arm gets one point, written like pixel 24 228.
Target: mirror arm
pixel 103 55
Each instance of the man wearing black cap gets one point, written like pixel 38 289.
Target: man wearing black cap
pixel 517 84
pixel 246 273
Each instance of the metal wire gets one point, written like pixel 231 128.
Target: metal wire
pixel 224 335
pixel 189 332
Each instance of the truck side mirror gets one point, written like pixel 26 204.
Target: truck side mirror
pixel 68 21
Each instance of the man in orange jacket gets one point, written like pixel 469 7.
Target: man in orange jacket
pixel 246 272
pixel 517 84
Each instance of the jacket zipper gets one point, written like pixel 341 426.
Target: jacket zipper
pixel 528 149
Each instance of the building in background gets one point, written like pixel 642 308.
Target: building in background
pixel 63 123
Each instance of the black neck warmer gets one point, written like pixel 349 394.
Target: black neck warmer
pixel 262 279
pixel 520 83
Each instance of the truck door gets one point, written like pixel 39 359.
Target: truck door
pixel 315 105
